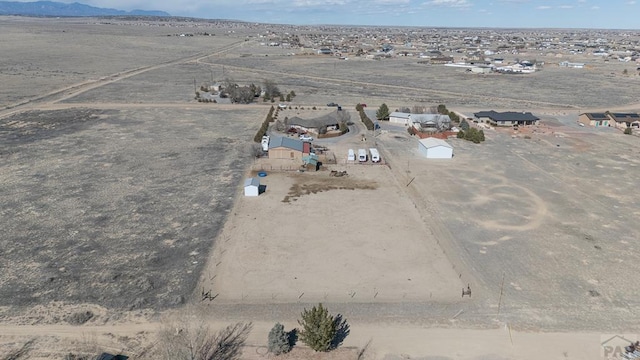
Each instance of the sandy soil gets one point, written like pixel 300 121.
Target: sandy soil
pixel 389 342
pixel 320 238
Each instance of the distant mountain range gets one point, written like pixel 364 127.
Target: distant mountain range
pixel 51 8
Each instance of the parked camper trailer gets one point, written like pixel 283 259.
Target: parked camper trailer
pixel 265 143
pixel 362 155
pixel 375 156
pixel 351 156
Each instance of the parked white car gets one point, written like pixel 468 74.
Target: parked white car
pixel 305 137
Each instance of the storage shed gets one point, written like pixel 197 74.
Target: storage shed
pixel 433 148
pixel 251 187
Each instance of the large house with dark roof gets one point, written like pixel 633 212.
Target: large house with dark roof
pixel 508 118
pixel 318 125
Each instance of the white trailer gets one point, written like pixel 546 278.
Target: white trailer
pixel 362 155
pixel 375 156
pixel 265 143
pixel 351 156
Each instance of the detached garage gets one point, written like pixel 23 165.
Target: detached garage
pixel 433 148
pixel 251 187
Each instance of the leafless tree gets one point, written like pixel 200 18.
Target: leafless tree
pixel 271 89
pixel 195 341
pixel 419 109
pixel 21 353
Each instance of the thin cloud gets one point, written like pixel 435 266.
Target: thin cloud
pixel 449 3
pixel 316 3
pixel 391 2
pixel 543 7
pixel 595 7
pixel 566 6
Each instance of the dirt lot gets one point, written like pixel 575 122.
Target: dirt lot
pixel 118 199
pixel 359 252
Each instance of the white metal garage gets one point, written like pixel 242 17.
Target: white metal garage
pixel 433 148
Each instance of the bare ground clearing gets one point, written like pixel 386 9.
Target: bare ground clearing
pixel 311 237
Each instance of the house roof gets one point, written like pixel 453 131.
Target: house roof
pixel 596 116
pixel 625 117
pixel 401 115
pixel 432 142
pixel 326 120
pixel 507 116
pixel 251 182
pixel 280 141
pixel 310 159
pixel 430 118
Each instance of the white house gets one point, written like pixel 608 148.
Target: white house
pixel 251 187
pixel 399 118
pixel 433 148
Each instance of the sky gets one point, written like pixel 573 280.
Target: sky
pixel 596 14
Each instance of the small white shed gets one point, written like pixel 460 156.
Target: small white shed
pixel 251 187
pixel 433 148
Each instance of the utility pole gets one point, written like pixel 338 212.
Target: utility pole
pixel 195 88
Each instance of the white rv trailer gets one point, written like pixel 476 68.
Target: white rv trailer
pixel 351 156
pixel 362 155
pixel 375 156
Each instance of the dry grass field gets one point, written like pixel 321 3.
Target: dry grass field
pixel 121 198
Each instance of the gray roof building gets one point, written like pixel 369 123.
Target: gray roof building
pixel 279 141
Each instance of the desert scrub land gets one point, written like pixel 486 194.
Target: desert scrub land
pixel 116 207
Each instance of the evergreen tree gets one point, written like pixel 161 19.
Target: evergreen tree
pixel 319 328
pixel 278 340
pixel 383 112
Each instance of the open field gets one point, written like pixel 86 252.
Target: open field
pixel 120 196
pixel 547 215
pixel 115 207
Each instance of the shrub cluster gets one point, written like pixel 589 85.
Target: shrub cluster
pixel 365 119
pixel 344 128
pixel 265 126
pixel 321 331
pixel 471 134
pixel 442 109
pixel 278 340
